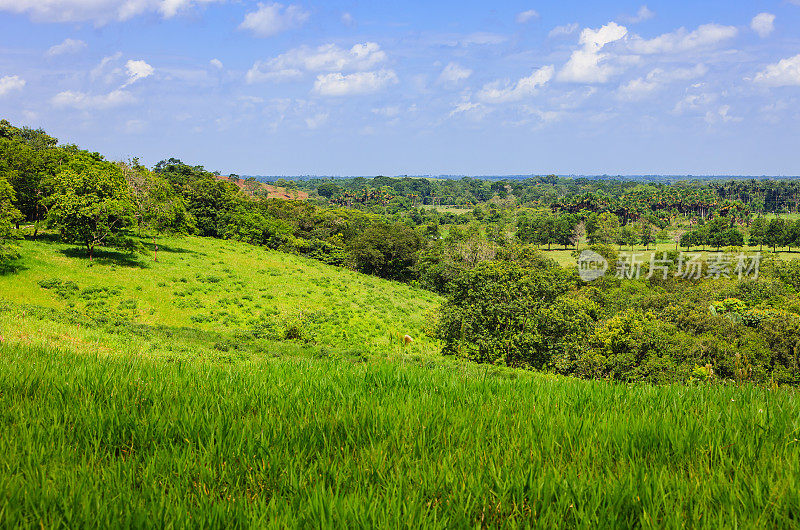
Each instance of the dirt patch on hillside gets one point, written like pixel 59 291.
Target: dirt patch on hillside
pixel 253 188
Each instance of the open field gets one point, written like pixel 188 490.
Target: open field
pixel 92 440
pixel 221 289
pixel 136 393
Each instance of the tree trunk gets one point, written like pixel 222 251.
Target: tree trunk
pixel 155 252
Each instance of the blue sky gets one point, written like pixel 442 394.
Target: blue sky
pixel 367 88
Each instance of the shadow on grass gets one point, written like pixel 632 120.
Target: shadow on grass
pixel 169 249
pixel 11 267
pixel 107 257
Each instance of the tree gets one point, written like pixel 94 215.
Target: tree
pixel 564 229
pixel 157 207
pixel 328 190
pixel 500 312
pixel 386 250
pixel 775 234
pixel 693 238
pixel 646 234
pixel 758 232
pixel 607 229
pixel 792 234
pixel 627 236
pixel 91 207
pixel 9 215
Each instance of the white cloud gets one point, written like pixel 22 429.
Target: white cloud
pixel 68 46
pixel 763 24
pixel 137 70
pixel 135 126
pixel 102 69
pixel 453 74
pixel 359 83
pixel 10 83
pixel 83 101
pixel 271 19
pixel 588 64
pixel 325 58
pixel 721 115
pixel 643 14
pixel 498 92
pixel 472 111
pixel 526 16
pixel 679 41
pixel 785 72
pixel 642 87
pixel 389 112
pixel 561 31
pixel 216 63
pixel 348 20
pixel 98 11
pixel 317 120
pixel 694 102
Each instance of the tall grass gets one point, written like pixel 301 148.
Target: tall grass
pixel 98 441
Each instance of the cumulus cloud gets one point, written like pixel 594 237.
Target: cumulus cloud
pixel 499 92
pixel 526 16
pixel 561 31
pixel 588 64
pixel 642 87
pixel 359 83
pixel 98 11
pixel 453 74
pixel 216 63
pixel 68 46
pixel 83 101
pixel 680 41
pixel 325 58
pixel 137 70
pixel 271 19
pixel 643 14
pixel 763 24
pixel 10 83
pixel 783 73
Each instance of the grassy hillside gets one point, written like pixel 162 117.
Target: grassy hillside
pixel 97 441
pixel 226 385
pixel 211 293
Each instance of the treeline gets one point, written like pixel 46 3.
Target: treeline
pixel 629 200
pixel 92 202
pixel 526 311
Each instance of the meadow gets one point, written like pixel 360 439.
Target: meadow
pixel 205 390
pixel 90 440
pixel 211 293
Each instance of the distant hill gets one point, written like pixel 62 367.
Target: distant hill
pixel 254 188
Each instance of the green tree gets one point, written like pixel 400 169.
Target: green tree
pixel 91 207
pixel 9 216
pixel 646 234
pixel 498 313
pixel 758 232
pixel 775 234
pixel 386 250
pixel 607 229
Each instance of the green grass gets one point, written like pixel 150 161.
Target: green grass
pixel 134 394
pixel 98 441
pixel 217 289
